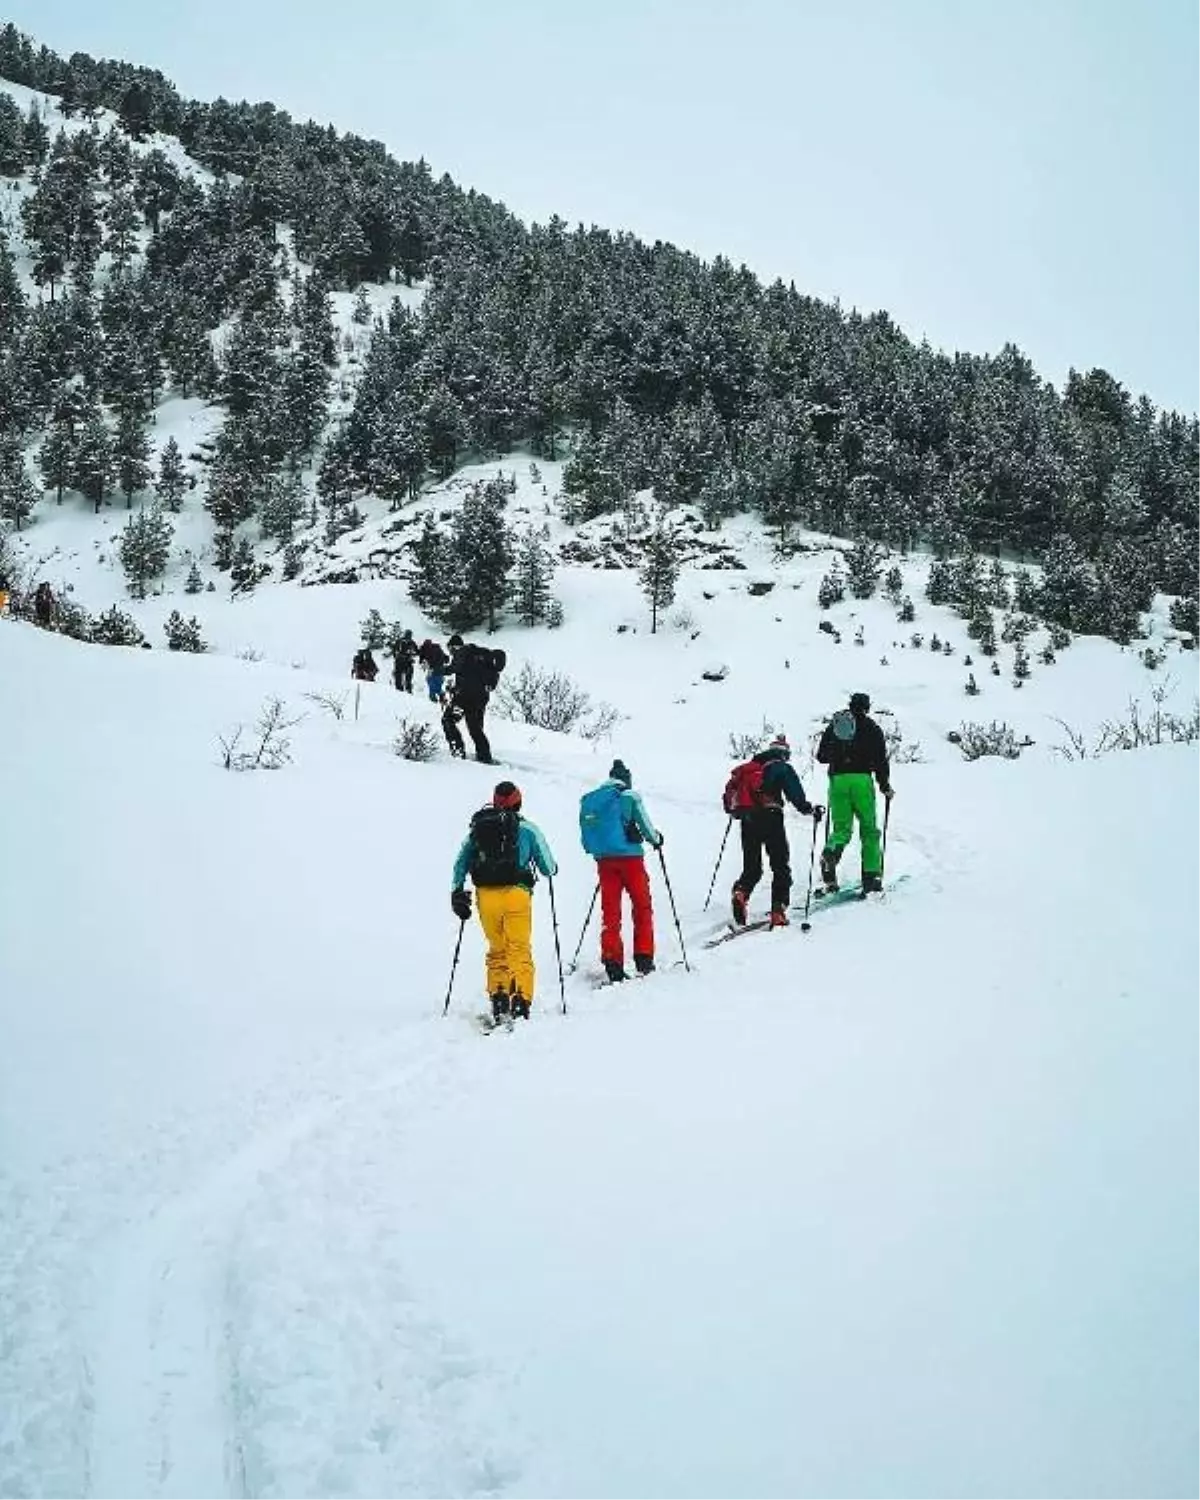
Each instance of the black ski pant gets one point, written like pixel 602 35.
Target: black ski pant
pixel 471 710
pixel 762 829
pixel 404 676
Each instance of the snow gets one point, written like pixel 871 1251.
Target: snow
pixel 904 1205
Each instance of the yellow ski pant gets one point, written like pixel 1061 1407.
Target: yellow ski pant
pixel 506 916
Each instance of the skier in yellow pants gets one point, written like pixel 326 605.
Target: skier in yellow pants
pixel 502 854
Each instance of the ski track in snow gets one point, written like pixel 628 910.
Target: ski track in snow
pixel 180 1396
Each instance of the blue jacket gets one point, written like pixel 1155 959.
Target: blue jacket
pixel 633 817
pixel 533 853
pixel 780 781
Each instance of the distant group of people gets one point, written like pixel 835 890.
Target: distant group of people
pixel 43 601
pixel 503 852
pixel 460 677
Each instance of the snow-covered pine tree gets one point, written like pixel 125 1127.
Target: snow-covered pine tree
pixel 1020 663
pixel 373 631
pixel 131 453
pixel 484 545
pixel 283 505
pixel 145 546
pixel 92 461
pixel 863 566
pixel 433 580
pixel 194 583
pixel 18 493
pixel 56 458
pixel 183 635
pixel 534 577
pixel 907 613
pixel 172 478
pixel 659 572
pixel 116 628
pixel 893 585
pixel 833 586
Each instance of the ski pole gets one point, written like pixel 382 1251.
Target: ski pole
pixel 887 812
pixel 712 885
pixel 587 922
pixel 662 859
pixel 562 985
pixel 462 927
pixel 806 925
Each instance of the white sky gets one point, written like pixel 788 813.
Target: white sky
pixel 1024 171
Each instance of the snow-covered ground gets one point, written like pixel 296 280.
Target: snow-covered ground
pixel 906 1205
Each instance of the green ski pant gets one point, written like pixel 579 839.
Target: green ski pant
pixel 852 795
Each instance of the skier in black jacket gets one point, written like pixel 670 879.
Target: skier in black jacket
pixel 854 749
pixel 475 671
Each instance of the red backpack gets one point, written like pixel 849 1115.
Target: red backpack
pixel 743 790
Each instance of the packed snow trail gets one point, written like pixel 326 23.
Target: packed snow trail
pixel 903 1205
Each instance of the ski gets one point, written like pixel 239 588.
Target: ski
pixel 487 1024
pixel 762 924
pixel 824 898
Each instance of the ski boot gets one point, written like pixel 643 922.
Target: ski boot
pixel 738 901
pixel 520 1006
pixel 643 963
pixel 871 884
pixel 779 916
pixel 829 864
pixel 614 971
pixel 500 1007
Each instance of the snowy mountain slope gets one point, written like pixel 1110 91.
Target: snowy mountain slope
pixel 905 1205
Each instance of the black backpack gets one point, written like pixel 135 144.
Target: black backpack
pixel 494 833
pixel 478 667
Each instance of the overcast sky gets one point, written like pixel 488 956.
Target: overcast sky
pixel 983 169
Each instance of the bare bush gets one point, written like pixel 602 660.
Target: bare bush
pixel 270 748
pixel 604 719
pixel 978 740
pixel 331 703
pixel 415 740
pixel 1138 729
pixel 900 753
pixel 743 746
pixel 249 653
pixel 682 619
pixel 548 700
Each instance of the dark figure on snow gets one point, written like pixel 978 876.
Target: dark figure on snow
pixel 364 667
pixel 854 749
pixel 43 606
pixel 476 671
pixel 614 827
pixel 755 794
pixel 435 661
pixel 404 656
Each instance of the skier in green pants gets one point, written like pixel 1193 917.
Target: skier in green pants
pixel 854 749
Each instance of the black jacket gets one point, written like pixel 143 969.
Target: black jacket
pixel 474 673
pixel 865 753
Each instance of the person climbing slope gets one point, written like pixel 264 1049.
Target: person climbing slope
pixel 854 749
pixel 754 795
pixel 614 827
pixel 502 853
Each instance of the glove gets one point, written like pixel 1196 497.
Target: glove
pixel 888 792
pixel 460 903
pixel 817 812
pixel 661 842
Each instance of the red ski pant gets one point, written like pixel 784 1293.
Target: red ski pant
pixel 625 872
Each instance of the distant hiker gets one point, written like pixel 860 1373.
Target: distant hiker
pixel 613 827
pixel 364 667
pixel 435 661
pixel 754 795
pixel 502 854
pixel 476 671
pixel 854 749
pixel 43 606
pixel 404 655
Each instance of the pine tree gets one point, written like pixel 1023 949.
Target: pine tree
pixel 862 567
pixel 659 572
pixel 172 478
pixel 18 493
pixel 131 453
pixel 92 461
pixel 1020 662
pixel 56 458
pixel 534 578
pixel 893 585
pixel 145 547
pixel 194 583
pixel 833 586
pixel 432 582
pixel 282 507
pixel 484 545
pixel 183 635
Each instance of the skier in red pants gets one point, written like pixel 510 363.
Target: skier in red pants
pixel 614 826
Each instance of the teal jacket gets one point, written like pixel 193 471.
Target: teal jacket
pixel 533 853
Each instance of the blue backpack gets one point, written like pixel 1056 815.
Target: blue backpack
pixel 601 826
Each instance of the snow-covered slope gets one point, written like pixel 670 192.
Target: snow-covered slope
pixel 906 1205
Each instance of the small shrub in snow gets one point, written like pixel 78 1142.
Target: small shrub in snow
pixel 833 587
pixel 907 612
pixel 859 638
pixel 979 740
pixel 183 635
pixel 743 745
pixel 331 703
pixel 548 700
pixel 893 584
pixel 72 619
pixel 267 747
pixel 1153 659
pixel 415 740
pixel 935 642
pixel 194 583
pixel 683 619
pixel 554 614
pixel 972 687
pixel 918 640
pixel 115 628
pixel 293 557
pixel 1060 637
pixel 1020 664
pixel 249 653
pixel 899 753
pixel 1137 730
